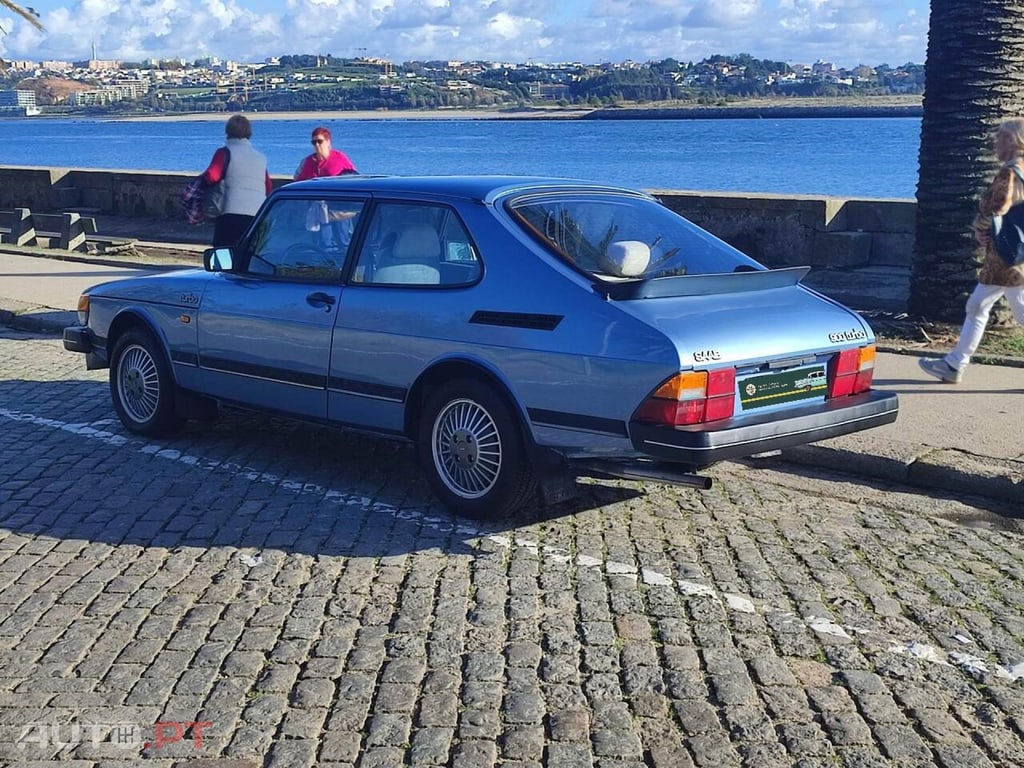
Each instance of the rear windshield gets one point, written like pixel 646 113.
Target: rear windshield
pixel 616 237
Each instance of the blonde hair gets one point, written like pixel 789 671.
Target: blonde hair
pixel 1013 131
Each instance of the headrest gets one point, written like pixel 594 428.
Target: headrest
pixel 626 258
pixel 417 241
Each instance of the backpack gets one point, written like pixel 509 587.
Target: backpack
pixel 1008 231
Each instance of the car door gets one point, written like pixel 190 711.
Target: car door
pixel 397 310
pixel 265 326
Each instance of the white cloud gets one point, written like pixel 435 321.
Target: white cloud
pixel 847 32
pixel 724 14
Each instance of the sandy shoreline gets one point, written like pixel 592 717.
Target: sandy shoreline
pixel 404 114
pixel 891 106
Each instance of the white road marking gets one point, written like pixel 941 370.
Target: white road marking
pixel 968 663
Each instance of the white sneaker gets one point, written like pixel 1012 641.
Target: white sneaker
pixel 941 370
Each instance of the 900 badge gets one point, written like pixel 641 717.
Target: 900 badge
pixel 854 334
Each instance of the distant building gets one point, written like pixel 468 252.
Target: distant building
pixel 130 89
pixel 57 66
pixel 16 99
pixel 98 96
pixel 21 102
pixel 98 65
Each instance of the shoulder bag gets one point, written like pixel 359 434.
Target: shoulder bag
pixel 213 195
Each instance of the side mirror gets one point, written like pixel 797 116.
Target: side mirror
pixel 217 260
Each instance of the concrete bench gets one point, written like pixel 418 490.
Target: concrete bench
pixel 68 231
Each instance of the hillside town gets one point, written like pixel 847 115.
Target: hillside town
pixel 312 82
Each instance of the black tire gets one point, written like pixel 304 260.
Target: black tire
pixel 141 385
pixel 472 450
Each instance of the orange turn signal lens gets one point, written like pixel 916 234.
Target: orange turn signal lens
pixel 691 397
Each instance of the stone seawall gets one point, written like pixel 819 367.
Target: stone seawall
pixel 776 230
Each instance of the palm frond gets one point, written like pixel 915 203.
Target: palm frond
pixel 28 14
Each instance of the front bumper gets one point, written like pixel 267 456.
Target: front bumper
pixel 78 338
pixel 705 444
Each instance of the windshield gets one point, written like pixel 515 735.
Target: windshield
pixel 616 237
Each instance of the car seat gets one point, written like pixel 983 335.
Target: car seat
pixel 414 259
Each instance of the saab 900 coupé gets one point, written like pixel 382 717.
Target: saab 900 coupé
pixel 518 331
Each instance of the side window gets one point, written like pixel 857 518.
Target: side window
pixel 303 240
pixel 416 245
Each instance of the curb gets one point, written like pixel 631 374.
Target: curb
pixel 921 466
pixel 979 358
pixel 101 260
pixel 33 317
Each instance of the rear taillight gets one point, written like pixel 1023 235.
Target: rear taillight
pixel 692 397
pixel 851 371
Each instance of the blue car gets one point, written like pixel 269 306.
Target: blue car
pixel 520 332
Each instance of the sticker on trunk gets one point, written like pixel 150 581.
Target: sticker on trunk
pixel 782 387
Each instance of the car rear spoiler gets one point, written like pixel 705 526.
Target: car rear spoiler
pixel 702 285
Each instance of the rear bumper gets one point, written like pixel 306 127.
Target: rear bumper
pixel 705 444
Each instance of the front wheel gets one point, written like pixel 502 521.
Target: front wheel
pixel 141 386
pixel 472 451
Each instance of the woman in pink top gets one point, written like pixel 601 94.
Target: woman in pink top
pixel 324 161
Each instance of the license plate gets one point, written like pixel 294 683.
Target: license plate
pixel 783 387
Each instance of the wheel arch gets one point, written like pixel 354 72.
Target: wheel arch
pixel 455 368
pixel 130 319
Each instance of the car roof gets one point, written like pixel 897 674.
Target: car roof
pixel 468 187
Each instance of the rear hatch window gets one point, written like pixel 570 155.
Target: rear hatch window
pixel 620 238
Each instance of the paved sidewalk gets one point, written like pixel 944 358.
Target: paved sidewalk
pixel 964 438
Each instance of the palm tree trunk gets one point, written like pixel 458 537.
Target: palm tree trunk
pixel 28 15
pixel 974 79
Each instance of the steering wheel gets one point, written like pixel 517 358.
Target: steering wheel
pixel 310 254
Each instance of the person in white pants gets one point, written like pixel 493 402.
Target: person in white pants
pixel 996 278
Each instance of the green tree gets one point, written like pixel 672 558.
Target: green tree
pixel 28 14
pixel 974 79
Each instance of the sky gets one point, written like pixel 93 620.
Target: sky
pixel 844 32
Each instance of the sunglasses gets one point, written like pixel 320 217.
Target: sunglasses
pixel 317 141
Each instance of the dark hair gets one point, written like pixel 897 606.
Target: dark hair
pixel 321 131
pixel 238 127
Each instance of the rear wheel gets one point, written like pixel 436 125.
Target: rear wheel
pixel 473 452
pixel 141 386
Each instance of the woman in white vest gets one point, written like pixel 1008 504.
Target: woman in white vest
pixel 246 181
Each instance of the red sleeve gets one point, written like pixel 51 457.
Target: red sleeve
pixel 215 171
pixel 303 172
pixel 270 184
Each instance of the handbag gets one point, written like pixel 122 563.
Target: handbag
pixel 1008 231
pixel 213 195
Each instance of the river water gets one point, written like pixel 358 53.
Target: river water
pixel 845 157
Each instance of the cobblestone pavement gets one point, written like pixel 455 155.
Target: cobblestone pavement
pixel 258 592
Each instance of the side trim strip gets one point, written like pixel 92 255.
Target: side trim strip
pixel 366 389
pixel 185 358
pixel 577 421
pixel 270 373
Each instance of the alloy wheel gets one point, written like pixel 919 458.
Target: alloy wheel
pixel 466 446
